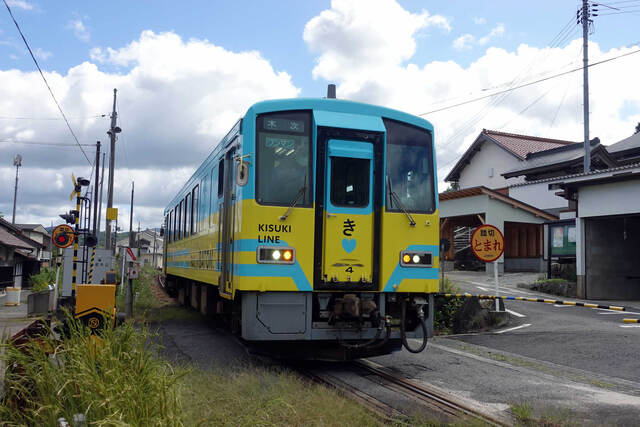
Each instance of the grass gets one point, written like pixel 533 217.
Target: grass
pixel 267 397
pixel 523 413
pixel 115 380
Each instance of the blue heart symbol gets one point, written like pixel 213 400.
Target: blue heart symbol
pixel 348 245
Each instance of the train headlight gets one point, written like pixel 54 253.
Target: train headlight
pixel 416 259
pixel 275 255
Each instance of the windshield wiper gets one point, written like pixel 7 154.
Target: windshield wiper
pixel 397 200
pixel 293 204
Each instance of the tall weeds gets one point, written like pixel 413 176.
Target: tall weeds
pixel 114 380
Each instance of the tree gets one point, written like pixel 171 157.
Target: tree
pixel 454 186
pixel 637 128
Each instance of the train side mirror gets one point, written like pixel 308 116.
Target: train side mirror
pixel 161 231
pixel 445 245
pixel 242 173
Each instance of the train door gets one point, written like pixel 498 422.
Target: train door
pixel 226 234
pixel 348 251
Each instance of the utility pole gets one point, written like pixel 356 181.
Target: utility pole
pixel 17 162
pixel 585 75
pixel 154 248
pixel 129 296
pixel 113 130
pixel 95 194
pixel 101 187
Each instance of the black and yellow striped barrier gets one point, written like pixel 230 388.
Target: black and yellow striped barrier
pixel 543 300
pixel 93 258
pixel 631 320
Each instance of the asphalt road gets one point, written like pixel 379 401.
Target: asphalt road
pixel 595 340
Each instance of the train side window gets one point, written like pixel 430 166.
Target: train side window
pixel 195 194
pixel 350 182
pixel 169 227
pixel 211 193
pixel 220 177
pixel 179 210
pixel 187 215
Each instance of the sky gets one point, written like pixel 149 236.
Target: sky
pixel 187 71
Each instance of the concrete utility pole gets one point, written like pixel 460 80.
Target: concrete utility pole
pixel 101 187
pixel 585 75
pixel 17 162
pixel 113 130
pixel 95 194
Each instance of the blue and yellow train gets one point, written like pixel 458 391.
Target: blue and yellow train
pixel 313 229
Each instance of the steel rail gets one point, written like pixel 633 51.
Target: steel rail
pixel 429 395
pixel 384 413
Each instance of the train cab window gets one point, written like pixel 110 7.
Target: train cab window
pixel 211 206
pixel 284 158
pixel 350 182
pixel 409 181
pixel 169 226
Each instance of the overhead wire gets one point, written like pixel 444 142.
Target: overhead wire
pixel 558 40
pixel 47 84
pixel 52 118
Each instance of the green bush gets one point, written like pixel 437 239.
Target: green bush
pixel 39 282
pixel 446 308
pixel 113 380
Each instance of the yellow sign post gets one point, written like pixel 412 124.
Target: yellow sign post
pixel 487 244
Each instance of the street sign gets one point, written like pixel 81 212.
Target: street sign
pixel 63 236
pixel 131 255
pixel 134 272
pixel 487 243
pixel 112 214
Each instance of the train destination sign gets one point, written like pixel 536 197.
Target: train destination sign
pixel 487 243
pixel 283 125
pixel 63 236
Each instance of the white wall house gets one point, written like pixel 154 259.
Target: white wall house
pixel 494 153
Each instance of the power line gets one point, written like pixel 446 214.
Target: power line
pixel 529 84
pixel 51 144
pixel 52 118
pixel 46 83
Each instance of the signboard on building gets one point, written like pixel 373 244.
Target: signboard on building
pixel 487 243
pixel 563 240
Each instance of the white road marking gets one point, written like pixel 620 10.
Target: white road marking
pixel 482 289
pixel 507 289
pixel 629 326
pixel 563 305
pixel 514 313
pixel 481 284
pixel 513 329
pixel 607 311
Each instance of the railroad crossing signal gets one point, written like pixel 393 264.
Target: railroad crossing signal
pixel 63 236
pixel 487 243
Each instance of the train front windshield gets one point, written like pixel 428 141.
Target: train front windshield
pixel 409 181
pixel 284 159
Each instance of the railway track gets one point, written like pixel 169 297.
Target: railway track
pixel 433 402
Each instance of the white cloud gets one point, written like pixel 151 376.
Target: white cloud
pixel 177 98
pixel 79 29
pixel 419 88
pixel 354 35
pixel 464 42
pixel 42 54
pixel 467 41
pixel 20 4
pixel 497 31
pixel 478 20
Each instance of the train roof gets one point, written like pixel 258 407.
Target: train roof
pixel 338 106
pixel 318 104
